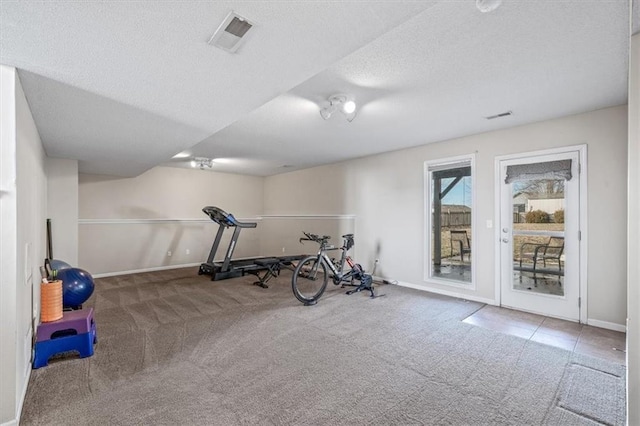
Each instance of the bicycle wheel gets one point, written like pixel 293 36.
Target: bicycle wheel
pixel 309 280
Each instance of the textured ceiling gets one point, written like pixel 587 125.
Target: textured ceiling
pixel 123 86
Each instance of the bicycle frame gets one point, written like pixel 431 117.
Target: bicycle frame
pixel 336 269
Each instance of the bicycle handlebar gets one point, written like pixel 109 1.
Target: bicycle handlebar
pixel 315 238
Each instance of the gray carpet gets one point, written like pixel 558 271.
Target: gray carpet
pixel 177 349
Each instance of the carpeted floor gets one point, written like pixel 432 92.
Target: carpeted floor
pixel 177 349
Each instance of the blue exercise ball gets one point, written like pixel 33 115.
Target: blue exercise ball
pixel 58 265
pixel 77 286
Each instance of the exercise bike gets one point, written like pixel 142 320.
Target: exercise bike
pixel 312 274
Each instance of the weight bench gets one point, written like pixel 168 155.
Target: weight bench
pixel 271 269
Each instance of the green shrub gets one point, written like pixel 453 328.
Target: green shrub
pixel 537 216
pixel 558 216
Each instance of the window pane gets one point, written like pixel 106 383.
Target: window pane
pixel 451 232
pixel 538 236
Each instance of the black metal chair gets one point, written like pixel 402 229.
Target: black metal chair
pixel 460 239
pixel 548 252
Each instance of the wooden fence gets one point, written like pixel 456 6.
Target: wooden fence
pixel 449 219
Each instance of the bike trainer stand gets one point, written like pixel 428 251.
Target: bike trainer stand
pixel 366 284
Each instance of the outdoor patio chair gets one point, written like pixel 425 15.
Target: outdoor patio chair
pixel 549 252
pixel 461 240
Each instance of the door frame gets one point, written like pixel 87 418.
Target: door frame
pixel 582 220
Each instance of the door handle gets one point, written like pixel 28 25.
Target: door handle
pixel 505 240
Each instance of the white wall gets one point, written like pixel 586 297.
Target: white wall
pixel 8 243
pixel 633 286
pixel 32 213
pixel 281 234
pixel 62 208
pixel 386 194
pixel 131 224
pixel 23 214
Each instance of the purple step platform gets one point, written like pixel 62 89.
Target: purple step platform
pixel 72 323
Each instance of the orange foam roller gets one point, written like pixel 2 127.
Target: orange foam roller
pixel 51 301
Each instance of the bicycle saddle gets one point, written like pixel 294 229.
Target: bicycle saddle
pixel 348 241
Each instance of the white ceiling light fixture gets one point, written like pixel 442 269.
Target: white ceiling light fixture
pixel 486 6
pixel 231 33
pixel 343 103
pixel 184 154
pixel 202 163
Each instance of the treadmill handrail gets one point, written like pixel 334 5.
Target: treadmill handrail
pixel 221 217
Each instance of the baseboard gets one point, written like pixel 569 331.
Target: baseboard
pixel 608 325
pixel 444 292
pixel 13 422
pixel 136 271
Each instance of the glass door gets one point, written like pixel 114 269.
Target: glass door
pixel 539 234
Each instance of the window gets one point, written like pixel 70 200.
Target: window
pixel 449 221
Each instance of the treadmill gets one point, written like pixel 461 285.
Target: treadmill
pixel 229 268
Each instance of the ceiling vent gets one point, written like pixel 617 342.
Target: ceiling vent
pixel 502 114
pixel 231 33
